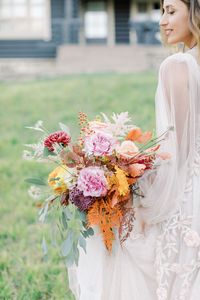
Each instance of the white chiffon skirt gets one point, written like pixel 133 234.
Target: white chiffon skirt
pixel 126 274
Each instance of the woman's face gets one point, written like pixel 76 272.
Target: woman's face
pixel 175 23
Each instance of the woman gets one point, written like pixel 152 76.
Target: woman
pixel 161 260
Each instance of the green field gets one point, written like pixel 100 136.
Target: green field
pixel 23 272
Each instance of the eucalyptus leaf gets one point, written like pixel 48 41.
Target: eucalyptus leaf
pixel 81 215
pixel 64 128
pixel 43 212
pixel 36 181
pixel 67 244
pixel 84 233
pixel 44 246
pixel 70 259
pixel 64 222
pixel 90 231
pixel 82 243
pixel 76 253
pixel 68 213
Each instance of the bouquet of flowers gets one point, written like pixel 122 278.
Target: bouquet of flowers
pixel 94 179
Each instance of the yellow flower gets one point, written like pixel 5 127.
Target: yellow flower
pixel 56 180
pixel 123 186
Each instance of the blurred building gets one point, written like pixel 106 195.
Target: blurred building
pixel 36 28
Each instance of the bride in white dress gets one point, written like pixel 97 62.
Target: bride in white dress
pixel 161 259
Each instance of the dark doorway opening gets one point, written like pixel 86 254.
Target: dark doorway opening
pixel 122 21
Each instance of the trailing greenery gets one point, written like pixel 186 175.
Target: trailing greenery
pixel 24 273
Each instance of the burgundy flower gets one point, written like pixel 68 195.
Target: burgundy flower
pixel 59 137
pixel 78 199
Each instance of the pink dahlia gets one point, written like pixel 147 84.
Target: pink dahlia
pixel 77 198
pixel 92 182
pixel 59 137
pixel 99 144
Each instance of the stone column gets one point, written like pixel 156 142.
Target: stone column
pixel 133 12
pixel 111 22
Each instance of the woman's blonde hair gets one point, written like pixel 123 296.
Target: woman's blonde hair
pixel 194 18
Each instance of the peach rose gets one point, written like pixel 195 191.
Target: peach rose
pixel 127 149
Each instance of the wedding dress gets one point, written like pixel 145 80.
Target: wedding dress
pixel 162 262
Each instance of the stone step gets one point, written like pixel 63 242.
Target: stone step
pixel 88 59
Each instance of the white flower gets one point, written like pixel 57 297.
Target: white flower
pixel 192 239
pixel 35 192
pixel 119 126
pixel 161 293
pixel 36 148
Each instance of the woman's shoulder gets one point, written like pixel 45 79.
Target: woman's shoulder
pixel 177 61
pixel 178 66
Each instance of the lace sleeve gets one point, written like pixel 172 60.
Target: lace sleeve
pixel 177 106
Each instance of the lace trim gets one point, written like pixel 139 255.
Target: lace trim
pixel 194 170
pixel 175 231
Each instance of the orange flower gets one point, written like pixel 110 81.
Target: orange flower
pixel 136 135
pixel 136 170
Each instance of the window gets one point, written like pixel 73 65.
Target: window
pixel 25 19
pixel 96 20
pixel 142 12
pixel 156 12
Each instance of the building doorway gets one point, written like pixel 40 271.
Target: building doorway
pixel 122 21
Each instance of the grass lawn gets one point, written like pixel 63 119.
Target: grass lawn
pixel 23 273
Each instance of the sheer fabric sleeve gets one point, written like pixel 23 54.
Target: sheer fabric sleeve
pixel 177 106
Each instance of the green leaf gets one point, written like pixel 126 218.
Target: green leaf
pixel 36 181
pixel 82 243
pixel 67 244
pixel 44 246
pixel 68 213
pixel 70 259
pixel 64 128
pixel 90 231
pixel 64 222
pixel 76 253
pixel 81 215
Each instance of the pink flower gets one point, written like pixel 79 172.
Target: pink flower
pixel 92 182
pixel 59 137
pixel 99 144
